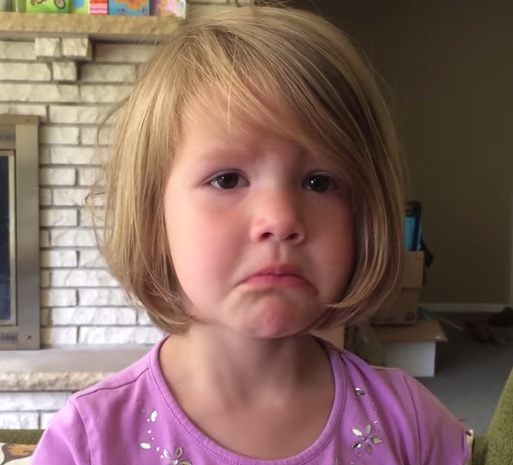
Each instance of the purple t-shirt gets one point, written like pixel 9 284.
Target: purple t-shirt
pixel 380 416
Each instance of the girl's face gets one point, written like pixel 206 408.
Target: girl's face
pixel 260 231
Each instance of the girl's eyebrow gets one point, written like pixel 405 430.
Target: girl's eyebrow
pixel 239 151
pixel 222 153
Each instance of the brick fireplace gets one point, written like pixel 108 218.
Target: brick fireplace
pixel 67 71
pixel 68 83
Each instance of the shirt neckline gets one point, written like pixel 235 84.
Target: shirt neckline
pixel 227 456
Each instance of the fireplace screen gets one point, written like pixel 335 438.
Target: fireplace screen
pixel 19 233
pixel 7 240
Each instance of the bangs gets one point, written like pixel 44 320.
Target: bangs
pixel 271 84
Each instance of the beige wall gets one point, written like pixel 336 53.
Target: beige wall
pixel 450 68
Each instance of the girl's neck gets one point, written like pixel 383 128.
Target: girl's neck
pixel 235 370
pixel 245 394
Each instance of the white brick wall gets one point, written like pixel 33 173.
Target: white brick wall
pixel 20 72
pixel 58 217
pixel 29 410
pixel 58 298
pixel 108 73
pixel 59 135
pixel 25 402
pixel 18 420
pixel 70 83
pixel 64 71
pixel 104 297
pixel 75 114
pixel 71 156
pixel 17 50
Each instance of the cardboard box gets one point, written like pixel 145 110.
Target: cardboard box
pixel 335 335
pixel 413 271
pixel 401 307
pixel 411 348
pixel 400 310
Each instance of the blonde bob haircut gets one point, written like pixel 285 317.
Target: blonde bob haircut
pixel 294 74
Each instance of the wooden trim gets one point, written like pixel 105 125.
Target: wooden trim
pixel 30 25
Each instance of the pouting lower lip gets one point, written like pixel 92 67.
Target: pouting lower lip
pixel 278 279
pixel 277 274
pixel 278 270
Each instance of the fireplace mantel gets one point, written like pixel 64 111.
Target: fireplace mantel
pixel 30 25
pixel 119 28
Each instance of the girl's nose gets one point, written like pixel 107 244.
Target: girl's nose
pixel 277 217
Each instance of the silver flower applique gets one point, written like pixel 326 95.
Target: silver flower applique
pixel 366 439
pixel 148 444
pixel 177 459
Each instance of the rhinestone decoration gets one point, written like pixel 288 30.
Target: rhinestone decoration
pixel 366 439
pixel 176 459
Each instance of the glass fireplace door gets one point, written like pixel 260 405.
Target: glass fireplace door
pixel 7 239
pixel 19 233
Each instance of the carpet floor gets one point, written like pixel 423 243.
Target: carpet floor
pixel 470 374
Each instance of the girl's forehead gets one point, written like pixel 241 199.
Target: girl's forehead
pixel 210 136
pixel 227 120
pixel 221 125
pixel 222 116
pixel 214 132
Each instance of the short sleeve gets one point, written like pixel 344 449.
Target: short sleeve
pixel 441 437
pixel 65 440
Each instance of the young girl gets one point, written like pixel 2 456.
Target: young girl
pixel 254 194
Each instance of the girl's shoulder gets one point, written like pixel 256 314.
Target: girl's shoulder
pixel 384 405
pixel 360 371
pixel 129 377
pixel 389 387
pixel 117 415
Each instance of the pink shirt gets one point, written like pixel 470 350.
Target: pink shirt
pixel 380 416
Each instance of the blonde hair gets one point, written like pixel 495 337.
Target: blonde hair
pixel 300 77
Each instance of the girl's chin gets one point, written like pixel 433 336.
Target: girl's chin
pixel 277 323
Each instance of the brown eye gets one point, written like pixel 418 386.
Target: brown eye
pixel 226 181
pixel 318 183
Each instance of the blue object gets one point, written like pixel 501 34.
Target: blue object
pixel 413 226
